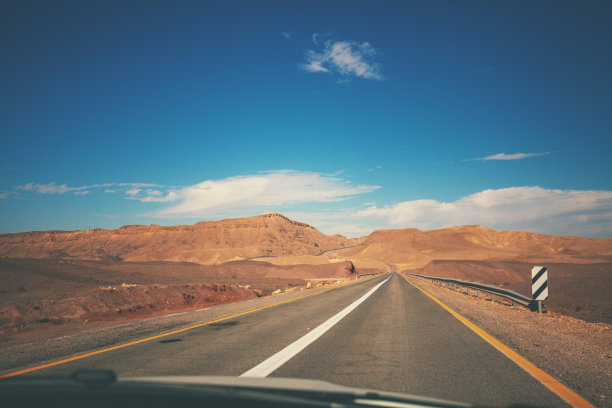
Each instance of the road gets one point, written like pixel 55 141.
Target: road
pixel 397 339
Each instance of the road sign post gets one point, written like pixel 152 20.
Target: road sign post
pixel 539 285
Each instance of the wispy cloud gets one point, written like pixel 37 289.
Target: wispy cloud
pixel 317 37
pixel 50 188
pixel 347 58
pixel 133 191
pixel 535 209
pixel 288 35
pixel 53 188
pixel 259 192
pixel 154 196
pixel 513 156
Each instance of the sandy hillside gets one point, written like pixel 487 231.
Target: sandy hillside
pixel 57 291
pixel 412 248
pixel 208 243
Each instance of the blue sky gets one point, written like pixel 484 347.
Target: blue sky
pixel 351 116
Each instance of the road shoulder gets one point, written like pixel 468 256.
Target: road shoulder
pixel 575 352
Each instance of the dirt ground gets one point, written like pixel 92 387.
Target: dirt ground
pixel 37 293
pixel 575 352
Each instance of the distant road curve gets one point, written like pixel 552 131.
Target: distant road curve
pixel 337 249
pixel 319 254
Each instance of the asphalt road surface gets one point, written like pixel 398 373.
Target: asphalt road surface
pixel 396 339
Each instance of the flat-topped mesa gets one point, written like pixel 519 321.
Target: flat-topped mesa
pixel 207 242
pixel 278 215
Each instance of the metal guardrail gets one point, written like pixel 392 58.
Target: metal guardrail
pixel 458 285
pixel 366 274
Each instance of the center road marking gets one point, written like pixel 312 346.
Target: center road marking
pixel 268 366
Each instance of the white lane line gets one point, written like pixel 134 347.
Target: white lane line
pixel 268 366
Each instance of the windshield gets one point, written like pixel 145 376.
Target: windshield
pixel 406 197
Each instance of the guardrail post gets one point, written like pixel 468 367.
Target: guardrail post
pixel 478 293
pixel 492 297
pixel 468 291
pixel 539 306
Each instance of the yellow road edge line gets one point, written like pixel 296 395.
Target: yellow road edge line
pixel 131 343
pixel 547 380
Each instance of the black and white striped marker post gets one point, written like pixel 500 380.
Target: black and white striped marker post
pixel 539 285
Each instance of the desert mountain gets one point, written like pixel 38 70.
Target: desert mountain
pixel 274 235
pixel 209 243
pixel 412 248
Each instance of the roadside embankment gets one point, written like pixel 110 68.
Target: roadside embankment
pixel 46 296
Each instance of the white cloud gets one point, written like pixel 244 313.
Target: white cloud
pixel 513 156
pixel 347 58
pixel 171 196
pixel 315 66
pixel 259 192
pixel 133 191
pixel 53 188
pixel 50 188
pixel 288 35
pixel 535 209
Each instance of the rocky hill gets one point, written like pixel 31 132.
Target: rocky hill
pixel 412 248
pixel 209 243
